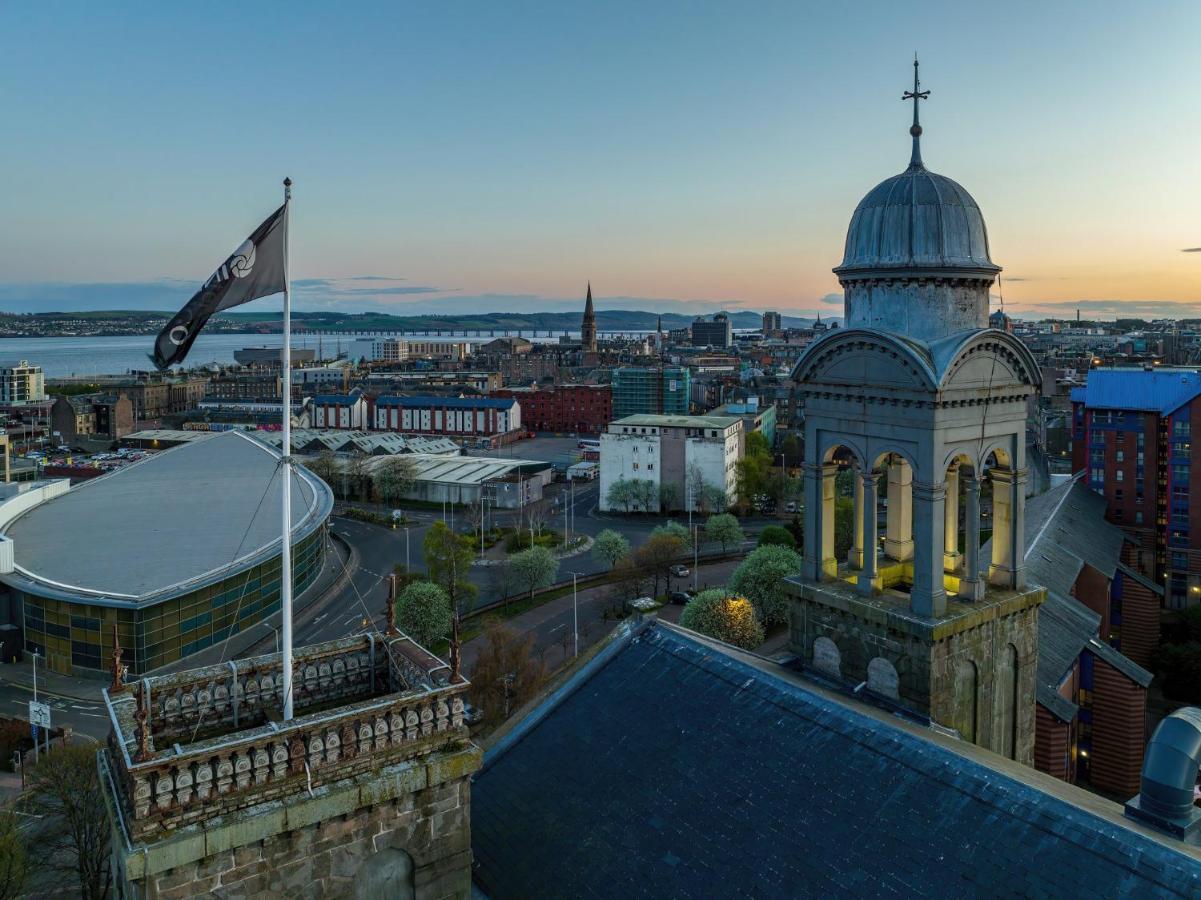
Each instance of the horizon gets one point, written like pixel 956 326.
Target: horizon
pixel 682 172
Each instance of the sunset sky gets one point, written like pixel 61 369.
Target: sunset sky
pixel 686 157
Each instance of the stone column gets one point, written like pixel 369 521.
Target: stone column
pixel 970 586
pixel 866 491
pixel 928 596
pixel 1008 503
pixel 855 558
pixel 829 561
pixel 951 558
pixel 898 535
pixel 812 553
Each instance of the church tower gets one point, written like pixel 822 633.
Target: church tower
pixel 918 400
pixel 588 326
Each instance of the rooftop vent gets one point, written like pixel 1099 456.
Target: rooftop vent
pixel 1165 801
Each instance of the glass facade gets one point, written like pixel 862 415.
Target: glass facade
pixel 73 634
pixel 641 390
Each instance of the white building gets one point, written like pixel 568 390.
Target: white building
pixel 378 349
pixel 675 462
pixel 22 383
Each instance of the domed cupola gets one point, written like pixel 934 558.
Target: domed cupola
pixel 916 258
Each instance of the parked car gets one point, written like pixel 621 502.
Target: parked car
pixel 678 571
pixel 790 506
pixel 679 598
pixel 472 714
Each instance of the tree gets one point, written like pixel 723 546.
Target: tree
pixel 676 530
pixel 394 478
pixel 324 465
pixel 65 787
pixel 778 535
pixel 14 861
pixel 714 498
pixel 760 578
pixel 357 477
pixel 727 618
pixel 610 547
pixel 844 526
pixel 646 494
pixel 538 512
pixel 506 674
pixel 669 496
pixel 658 555
pixel 792 450
pixel 533 569
pixel 621 494
pixel 423 612
pixel 447 563
pixel 724 529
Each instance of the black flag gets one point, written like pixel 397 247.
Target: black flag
pixel 256 269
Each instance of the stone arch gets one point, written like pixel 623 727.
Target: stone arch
pixel 822 358
pixel 836 442
pixel 882 678
pixel 965 699
pixel 386 873
pixel 1007 701
pixel 1001 449
pixel 826 657
pixel 1014 356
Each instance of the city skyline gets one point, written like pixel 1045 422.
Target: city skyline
pixel 680 169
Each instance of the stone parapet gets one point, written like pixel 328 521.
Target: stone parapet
pixel 213 742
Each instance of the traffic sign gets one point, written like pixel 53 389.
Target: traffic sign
pixel 39 713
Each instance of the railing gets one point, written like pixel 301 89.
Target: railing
pixel 411 711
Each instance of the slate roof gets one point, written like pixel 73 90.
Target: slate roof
pixel 449 402
pixel 1065 530
pixel 670 766
pixel 1159 390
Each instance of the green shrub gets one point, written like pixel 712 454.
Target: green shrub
pixel 777 535
pixel 723 616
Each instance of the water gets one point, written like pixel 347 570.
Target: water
pixel 117 355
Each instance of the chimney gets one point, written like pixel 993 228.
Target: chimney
pixel 1169 779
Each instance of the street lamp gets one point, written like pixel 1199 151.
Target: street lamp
pixel 575 614
pixel 695 554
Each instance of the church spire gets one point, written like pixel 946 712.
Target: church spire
pixel 915 161
pixel 588 325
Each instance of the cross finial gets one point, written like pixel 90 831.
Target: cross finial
pixel 915 161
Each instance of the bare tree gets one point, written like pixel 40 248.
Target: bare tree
pixel 394 478
pixel 324 465
pixel 65 787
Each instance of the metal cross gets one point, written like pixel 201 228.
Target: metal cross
pixel 916 129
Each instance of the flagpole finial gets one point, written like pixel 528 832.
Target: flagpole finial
pixel 287 188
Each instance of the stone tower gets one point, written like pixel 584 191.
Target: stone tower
pixel 364 793
pixel 919 400
pixel 588 326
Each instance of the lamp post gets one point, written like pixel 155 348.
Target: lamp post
pixel 696 549
pixel 406 549
pixel 575 613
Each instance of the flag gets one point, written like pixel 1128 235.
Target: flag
pixel 256 269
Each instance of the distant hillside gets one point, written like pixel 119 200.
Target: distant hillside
pixel 118 322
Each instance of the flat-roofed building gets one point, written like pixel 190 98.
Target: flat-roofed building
pixel 670 463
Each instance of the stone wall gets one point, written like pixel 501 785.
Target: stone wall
pixel 957 670
pixel 405 832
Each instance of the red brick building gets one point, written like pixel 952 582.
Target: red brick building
pixel 584 408
pixel 1131 439
pixel 1090 719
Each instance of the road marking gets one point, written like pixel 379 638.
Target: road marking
pixel 92 715
pixel 557 627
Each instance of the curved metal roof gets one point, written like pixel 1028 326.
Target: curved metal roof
pixel 165 526
pixel 914 222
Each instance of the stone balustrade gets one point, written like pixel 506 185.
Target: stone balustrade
pixel 359 706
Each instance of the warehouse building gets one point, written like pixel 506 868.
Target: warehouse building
pixel 179 552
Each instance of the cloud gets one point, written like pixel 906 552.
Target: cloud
pixel 833 299
pixel 1191 250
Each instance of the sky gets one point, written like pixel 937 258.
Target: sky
pixel 463 157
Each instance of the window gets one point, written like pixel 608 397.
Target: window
pixel 1117 494
pixel 1117 514
pixel 1121 438
pixel 1180 474
pixel 650 467
pixel 1179 560
pixel 1138 518
pixel 1119 475
pixel 1098 475
pixel 635 469
pixel 1180 429
pixel 1121 456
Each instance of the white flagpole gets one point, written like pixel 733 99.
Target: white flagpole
pixel 285 556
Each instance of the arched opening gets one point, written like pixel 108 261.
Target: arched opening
pixel 826 657
pixel 387 873
pixel 1002 512
pixel 1007 700
pixel 882 678
pixel 964 700
pixel 830 511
